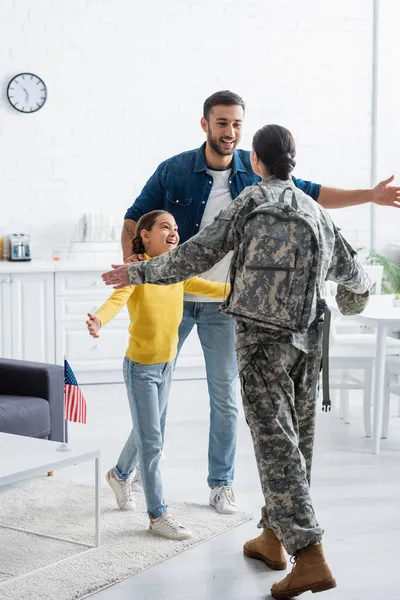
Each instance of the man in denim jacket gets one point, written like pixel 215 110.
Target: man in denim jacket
pixel 195 186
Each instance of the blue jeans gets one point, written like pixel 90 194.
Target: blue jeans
pixel 217 337
pixel 148 389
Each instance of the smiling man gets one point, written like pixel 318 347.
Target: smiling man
pixel 195 187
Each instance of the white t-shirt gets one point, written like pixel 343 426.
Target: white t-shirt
pixel 219 199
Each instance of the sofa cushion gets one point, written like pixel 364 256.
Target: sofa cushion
pixel 24 415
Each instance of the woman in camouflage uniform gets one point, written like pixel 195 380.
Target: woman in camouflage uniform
pixel 278 367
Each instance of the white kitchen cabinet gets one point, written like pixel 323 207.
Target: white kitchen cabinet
pixel 5 316
pixel 32 307
pixel 92 360
pixel 27 316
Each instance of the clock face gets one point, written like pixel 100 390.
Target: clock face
pixel 26 92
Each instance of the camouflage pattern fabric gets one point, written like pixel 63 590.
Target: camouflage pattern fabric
pixel 350 303
pixel 279 385
pixel 278 368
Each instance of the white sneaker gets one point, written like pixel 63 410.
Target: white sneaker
pixel 223 500
pixel 170 528
pixel 122 490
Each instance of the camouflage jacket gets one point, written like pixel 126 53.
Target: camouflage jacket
pixel 339 261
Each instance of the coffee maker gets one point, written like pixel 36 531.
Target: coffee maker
pixel 17 247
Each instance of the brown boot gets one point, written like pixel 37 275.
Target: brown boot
pixel 309 574
pixel 267 547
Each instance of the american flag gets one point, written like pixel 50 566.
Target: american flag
pixel 75 403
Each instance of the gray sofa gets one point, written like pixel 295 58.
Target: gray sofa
pixel 32 399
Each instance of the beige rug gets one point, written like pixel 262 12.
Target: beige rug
pixel 56 507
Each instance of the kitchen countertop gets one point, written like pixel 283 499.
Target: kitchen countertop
pixel 52 266
pixel 31 266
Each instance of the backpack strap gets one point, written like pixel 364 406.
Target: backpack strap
pixel 326 402
pixel 281 198
pixel 324 320
pixel 294 202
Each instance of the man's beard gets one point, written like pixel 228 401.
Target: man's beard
pixel 221 151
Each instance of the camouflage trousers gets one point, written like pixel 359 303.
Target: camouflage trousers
pixel 279 389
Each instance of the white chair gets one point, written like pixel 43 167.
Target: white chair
pixel 392 386
pixel 355 352
pixel 344 361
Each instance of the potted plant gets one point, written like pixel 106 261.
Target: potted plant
pixel 391 272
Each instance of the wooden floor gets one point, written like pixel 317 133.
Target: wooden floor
pixel 356 494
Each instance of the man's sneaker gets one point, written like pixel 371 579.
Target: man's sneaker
pixel 169 527
pixel 136 481
pixel 122 490
pixel 223 500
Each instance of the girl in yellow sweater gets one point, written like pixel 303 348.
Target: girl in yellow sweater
pixel 155 314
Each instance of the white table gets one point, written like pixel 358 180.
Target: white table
pixel 382 315
pixel 24 457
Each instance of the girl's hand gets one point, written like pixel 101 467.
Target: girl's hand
pixel 93 325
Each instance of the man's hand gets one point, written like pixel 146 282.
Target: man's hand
pixel 134 258
pixel 118 278
pixel 93 325
pixel 384 194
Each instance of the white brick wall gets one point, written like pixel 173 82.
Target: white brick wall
pixel 387 221
pixel 126 82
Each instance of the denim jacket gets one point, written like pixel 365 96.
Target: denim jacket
pixel 181 185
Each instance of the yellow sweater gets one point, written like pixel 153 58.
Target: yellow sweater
pixel 155 313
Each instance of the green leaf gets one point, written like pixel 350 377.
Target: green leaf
pixel 391 272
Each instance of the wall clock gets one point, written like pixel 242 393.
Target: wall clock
pixel 26 92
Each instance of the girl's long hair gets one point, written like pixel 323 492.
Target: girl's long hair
pixel 145 222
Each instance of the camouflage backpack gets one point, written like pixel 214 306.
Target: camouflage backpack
pixel 275 268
